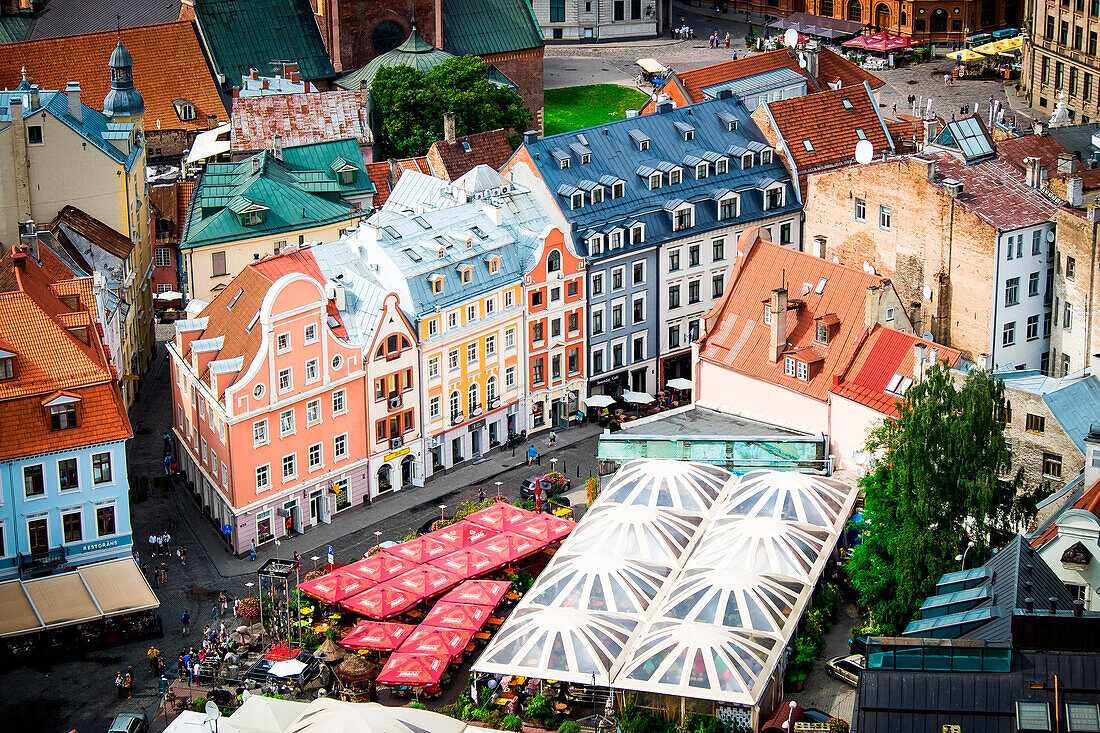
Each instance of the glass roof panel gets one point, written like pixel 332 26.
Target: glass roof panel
pixel 788 496
pixel 680 485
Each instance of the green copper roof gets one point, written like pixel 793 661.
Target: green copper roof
pixel 414 52
pixel 298 192
pixel 242 34
pixel 14 28
pixel 482 27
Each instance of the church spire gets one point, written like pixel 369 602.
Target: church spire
pixel 123 101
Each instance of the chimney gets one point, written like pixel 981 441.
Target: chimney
pixel 394 172
pixel 493 213
pixel 665 106
pixel 289 69
pixel 278 147
pixel 922 168
pixel 1092 456
pixel 264 84
pixel 1078 608
pixel 28 237
pixel 21 162
pixel 933 355
pixel 929 131
pixel 953 187
pixel 872 304
pixel 530 137
pixel 1067 164
pixel 72 91
pixel 820 245
pixel 1040 129
pixel 1093 213
pixel 1032 171
pixel 449 127
pixel 235 92
pixel 1029 605
pixel 19 256
pixel 364 92
pixel 810 56
pixel 1075 192
pixel 254 74
pixel 918 361
pixel 778 324
pixel 295 77
pixel 1053 604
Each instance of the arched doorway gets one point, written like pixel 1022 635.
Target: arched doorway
pixel 882 17
pixel 384 483
pixel 407 470
pixel 939 20
pixel 855 11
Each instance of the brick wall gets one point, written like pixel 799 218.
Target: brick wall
pixel 1028 447
pixel 932 243
pixel 168 144
pixel 525 69
pixel 355 21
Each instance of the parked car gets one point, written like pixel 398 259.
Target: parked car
pixel 129 723
pixel 846 668
pixel 527 488
pixel 813 715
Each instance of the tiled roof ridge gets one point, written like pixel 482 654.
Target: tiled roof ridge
pixel 114 33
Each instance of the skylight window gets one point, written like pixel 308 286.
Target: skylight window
pixel 899 384
pixel 1082 717
pixel 391 232
pixel 847 103
pixel 479 232
pixel 1032 716
pixel 860 133
pixel 820 286
pixel 412 254
pixel 422 222
pixel 465 146
pixel 808 145
pixel 234 299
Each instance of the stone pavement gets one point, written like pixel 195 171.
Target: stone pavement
pixel 823 691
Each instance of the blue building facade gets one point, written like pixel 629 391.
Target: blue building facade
pixel 655 203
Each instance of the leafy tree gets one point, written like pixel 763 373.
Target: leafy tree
pixel 939 485
pixel 411 104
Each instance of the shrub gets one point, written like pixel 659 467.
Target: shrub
pixel 633 719
pixel 557 481
pixel 511 723
pixel 592 489
pixel 310 638
pixel 836 725
pixel 539 710
pixel 454 710
pixel 249 608
pixel 417 706
pixel 569 726
pixel 198 705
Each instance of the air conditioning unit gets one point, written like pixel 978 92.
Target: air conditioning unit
pixel 395 402
pixel 396 442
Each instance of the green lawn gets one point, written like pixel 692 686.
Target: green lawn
pixel 575 107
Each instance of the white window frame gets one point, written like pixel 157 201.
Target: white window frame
pixel 290 460
pixel 282 343
pixel 286 422
pixel 314 407
pixel 320 457
pixel 314 366
pixel 337 453
pixel 260 435
pixel 265 472
pixel 435 407
pixel 309 333
pixel 340 396
pixel 790 366
pixel 286 380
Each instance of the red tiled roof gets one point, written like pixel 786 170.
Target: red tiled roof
pixel 695 80
pixel 829 126
pixel 486 148
pixel 885 353
pixel 832 67
pixel 49 359
pixel 299 119
pixel 169 64
pixel 1047 149
pixel 379 174
pixel 1089 502
pixel 995 192
pixel 739 339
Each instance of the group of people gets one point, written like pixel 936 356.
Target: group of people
pixel 716 42
pixel 124 683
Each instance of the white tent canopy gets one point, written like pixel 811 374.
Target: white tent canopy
pixel 599 400
pixel 209 144
pixel 679 383
pixel 637 398
pixel 681 579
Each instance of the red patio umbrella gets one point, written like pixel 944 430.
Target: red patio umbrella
pixel 380 567
pixel 426 581
pixel 421 550
pixel 545 528
pixel 509 547
pixel 883 42
pixel 478 593
pixel 436 640
pixel 467 563
pixel 419 670
pixel 377 635
pixel 462 534
pixel 500 516
pixel 382 601
pixel 457 616
pixel 335 586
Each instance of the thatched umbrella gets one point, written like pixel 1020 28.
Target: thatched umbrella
pixel 355 668
pixel 333 652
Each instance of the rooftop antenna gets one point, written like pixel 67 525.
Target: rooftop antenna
pixel 118 26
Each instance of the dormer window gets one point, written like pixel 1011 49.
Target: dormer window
pixel 617 190
pixel 466 274
pixel 767 313
pixel 7 368
pixel 576 201
pixel 494 266
pixel 701 170
pixel 640 138
pixel 643 145
pixel 654 181
pixel 184 109
pixel 746 161
pixel 63 416
pixel 826 327
pixel 683 218
pixel 790 365
pixel 721 166
pixel 252 218
pixel 347 178
pixel 774 198
pixel 563 163
pixel 615 240
pixel 822 333
pixel 597 195
pixel 766 157
pixel 586 158
pixel 687 132
pixel 674 176
pixel 637 233
pixel 595 244
pixel 729 208
pixel 437 285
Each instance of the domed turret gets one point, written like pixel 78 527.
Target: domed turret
pixel 414 52
pixel 123 103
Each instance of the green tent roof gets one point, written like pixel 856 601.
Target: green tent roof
pixel 298 192
pixel 481 27
pixel 414 52
pixel 262 34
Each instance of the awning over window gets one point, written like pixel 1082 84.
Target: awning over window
pixel 86 594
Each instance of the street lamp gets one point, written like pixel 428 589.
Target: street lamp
pixel 499 484
pixel 553 464
pixel 249 585
pixel 377 539
pixel 315 558
pixel 790 713
pixel 442 508
pixel 962 557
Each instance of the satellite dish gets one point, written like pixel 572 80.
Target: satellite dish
pixel 928 292
pixel 865 151
pixel 212 712
pixel 927 336
pixel 1050 236
pixel 790 38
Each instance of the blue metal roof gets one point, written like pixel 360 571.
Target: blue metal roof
pixel 93 126
pixel 616 154
pixel 1076 407
pixel 761 82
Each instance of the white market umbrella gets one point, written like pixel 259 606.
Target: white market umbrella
pixel 599 400
pixel 286 668
pixel 679 383
pixel 637 398
pixel 169 295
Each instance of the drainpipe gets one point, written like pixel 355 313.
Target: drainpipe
pixel 1093 217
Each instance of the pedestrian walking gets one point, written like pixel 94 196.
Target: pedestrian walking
pixel 183 555
pixel 164 572
pixel 128 684
pixel 553 438
pixel 224 603
pixel 160 543
pixel 167 541
pixel 532 455
pixel 152 545
pixel 154 577
pixel 236 607
pixel 480 494
pixel 297 559
pixel 252 550
pixel 728 45
pixel 185 623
